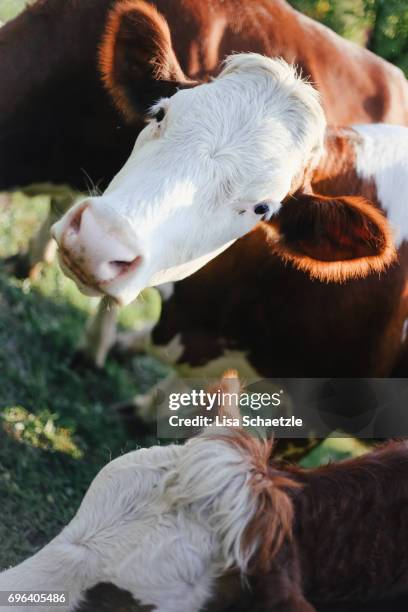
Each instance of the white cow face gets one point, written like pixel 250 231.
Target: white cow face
pixel 212 162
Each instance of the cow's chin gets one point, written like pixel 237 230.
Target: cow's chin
pixel 87 290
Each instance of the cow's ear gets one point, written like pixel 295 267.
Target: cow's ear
pixel 333 239
pixel 136 58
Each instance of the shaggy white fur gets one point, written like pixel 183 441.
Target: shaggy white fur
pixel 162 523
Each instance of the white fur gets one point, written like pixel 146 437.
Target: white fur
pixel 190 185
pixel 383 156
pixel 162 523
pixel 211 482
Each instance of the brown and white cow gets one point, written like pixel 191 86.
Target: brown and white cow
pixel 212 161
pixel 58 124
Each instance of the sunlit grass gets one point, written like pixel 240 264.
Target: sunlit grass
pixel 39 430
pixel 20 216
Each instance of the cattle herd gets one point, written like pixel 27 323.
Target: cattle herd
pixel 254 167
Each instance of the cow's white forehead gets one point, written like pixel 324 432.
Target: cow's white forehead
pixel 230 112
pixel 242 134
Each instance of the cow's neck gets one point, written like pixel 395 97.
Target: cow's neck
pixel 336 174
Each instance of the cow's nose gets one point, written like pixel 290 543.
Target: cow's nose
pixel 92 250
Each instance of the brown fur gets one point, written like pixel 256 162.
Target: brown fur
pixel 137 47
pixel 271 525
pixel 106 597
pixel 268 486
pixel 338 167
pixel 333 239
pixel 272 28
pixel 331 225
pixel 343 525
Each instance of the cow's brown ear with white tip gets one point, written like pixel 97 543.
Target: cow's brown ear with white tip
pixel 137 60
pixel 333 239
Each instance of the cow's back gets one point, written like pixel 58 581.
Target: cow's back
pixel 356 85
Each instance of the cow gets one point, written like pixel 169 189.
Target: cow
pixel 182 528
pixel 59 124
pixel 317 288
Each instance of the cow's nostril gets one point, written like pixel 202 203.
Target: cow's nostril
pixel 123 267
pixel 75 224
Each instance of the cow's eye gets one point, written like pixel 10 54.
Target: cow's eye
pixel 159 116
pixel 261 209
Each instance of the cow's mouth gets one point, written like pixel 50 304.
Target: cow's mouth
pixel 86 284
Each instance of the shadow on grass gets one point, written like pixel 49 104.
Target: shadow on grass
pixel 41 399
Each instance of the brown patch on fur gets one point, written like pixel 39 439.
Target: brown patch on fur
pixel 106 597
pixel 348 545
pixel 228 590
pixel 137 47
